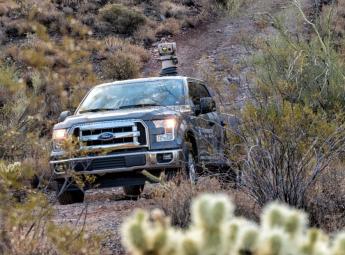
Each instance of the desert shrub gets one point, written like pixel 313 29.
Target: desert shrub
pixel 292 129
pixel 175 198
pixel 145 35
pixel 121 66
pixel 114 44
pixel 121 19
pixel 27 227
pixel 172 10
pixel 215 230
pixel 332 17
pixel 326 199
pixel 230 5
pixel 287 147
pixel 168 27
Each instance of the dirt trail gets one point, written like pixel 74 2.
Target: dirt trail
pixel 223 43
pixel 218 42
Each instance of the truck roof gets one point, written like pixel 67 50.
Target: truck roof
pixel 147 79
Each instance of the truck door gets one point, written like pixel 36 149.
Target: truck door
pixel 216 123
pixel 204 124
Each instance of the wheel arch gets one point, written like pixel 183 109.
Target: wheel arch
pixel 190 137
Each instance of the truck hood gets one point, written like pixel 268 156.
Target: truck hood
pixel 147 113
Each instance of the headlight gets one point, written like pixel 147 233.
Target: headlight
pixel 169 126
pixel 59 136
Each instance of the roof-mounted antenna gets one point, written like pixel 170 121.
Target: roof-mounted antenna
pixel 167 53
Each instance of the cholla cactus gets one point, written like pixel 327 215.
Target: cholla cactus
pixel 215 230
pixel 156 237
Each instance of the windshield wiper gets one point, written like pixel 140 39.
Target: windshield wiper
pixel 137 105
pixel 98 110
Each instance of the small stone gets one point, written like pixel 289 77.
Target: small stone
pixel 218 30
pixel 67 10
pixel 233 80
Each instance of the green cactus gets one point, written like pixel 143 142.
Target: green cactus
pixel 215 230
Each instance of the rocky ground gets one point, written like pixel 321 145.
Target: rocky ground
pixel 220 47
pixel 103 212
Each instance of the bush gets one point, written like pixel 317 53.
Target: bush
pixel 114 44
pixel 215 230
pixel 171 10
pixel 168 27
pixel 333 15
pixel 175 198
pixel 27 227
pixel 292 130
pixel 121 19
pixel 121 66
pixel 326 200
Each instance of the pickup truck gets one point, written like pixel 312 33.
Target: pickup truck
pixel 164 124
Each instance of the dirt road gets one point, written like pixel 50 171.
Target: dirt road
pixel 221 43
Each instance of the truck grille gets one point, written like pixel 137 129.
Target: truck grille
pixel 123 134
pixel 110 163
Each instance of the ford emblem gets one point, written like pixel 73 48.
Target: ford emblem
pixel 106 136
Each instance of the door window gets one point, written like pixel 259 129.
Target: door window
pixel 197 91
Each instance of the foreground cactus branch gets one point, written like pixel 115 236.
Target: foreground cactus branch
pixel 215 230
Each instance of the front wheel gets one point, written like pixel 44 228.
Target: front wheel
pixel 190 163
pixel 71 197
pixel 133 191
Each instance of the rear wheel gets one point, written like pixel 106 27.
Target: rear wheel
pixel 133 191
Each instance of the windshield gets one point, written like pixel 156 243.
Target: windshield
pixel 132 95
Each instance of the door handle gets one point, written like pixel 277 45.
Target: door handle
pixel 211 123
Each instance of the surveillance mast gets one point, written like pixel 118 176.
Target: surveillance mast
pixel 167 53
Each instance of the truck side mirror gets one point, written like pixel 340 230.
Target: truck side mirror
pixel 207 104
pixel 64 115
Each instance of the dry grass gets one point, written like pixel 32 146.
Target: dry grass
pixel 168 27
pixel 175 197
pixel 121 66
pixel 335 15
pixel 326 202
pixel 121 19
pixel 173 10
pixel 115 44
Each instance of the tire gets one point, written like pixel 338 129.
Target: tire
pixel 190 163
pixel 70 197
pixel 133 191
pixel 35 182
pixel 172 174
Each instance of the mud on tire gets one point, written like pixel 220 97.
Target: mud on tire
pixel 183 173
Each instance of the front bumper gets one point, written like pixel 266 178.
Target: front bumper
pixel 118 163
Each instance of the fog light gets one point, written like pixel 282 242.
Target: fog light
pixel 164 157
pixel 167 156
